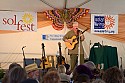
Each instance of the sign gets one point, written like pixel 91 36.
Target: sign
pixel 18 21
pixel 52 36
pixel 104 24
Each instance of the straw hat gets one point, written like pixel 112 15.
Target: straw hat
pixel 31 67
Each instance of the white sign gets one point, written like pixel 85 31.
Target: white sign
pixel 52 36
pixel 104 24
pixel 18 21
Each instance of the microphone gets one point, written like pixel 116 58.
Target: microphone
pixel 78 31
pixel 42 45
pixel 23 47
pixel 90 42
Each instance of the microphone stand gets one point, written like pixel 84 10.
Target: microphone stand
pixel 43 56
pixel 79 49
pixel 24 64
pixel 121 66
pixel 90 46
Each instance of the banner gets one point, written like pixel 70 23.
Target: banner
pixel 52 36
pixel 104 24
pixel 18 21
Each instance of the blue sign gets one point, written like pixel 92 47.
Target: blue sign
pixel 104 24
pixel 52 36
pixel 44 37
pixel 99 22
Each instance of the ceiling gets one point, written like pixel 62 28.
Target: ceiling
pixel 95 6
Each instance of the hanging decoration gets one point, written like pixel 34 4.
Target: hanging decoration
pixel 58 17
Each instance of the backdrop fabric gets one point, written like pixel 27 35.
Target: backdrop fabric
pixel 106 55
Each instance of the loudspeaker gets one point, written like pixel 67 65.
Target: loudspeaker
pixel 32 60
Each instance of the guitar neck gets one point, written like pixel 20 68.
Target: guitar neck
pixel 43 56
pixel 81 34
pixel 60 53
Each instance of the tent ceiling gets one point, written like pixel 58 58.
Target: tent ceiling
pixel 96 6
pixel 37 5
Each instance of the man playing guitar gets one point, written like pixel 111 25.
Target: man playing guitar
pixel 72 43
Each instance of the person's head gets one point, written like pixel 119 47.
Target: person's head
pixel 14 65
pixel 81 69
pixel 61 69
pixel 75 25
pixel 17 75
pixel 113 75
pixel 32 71
pixel 98 81
pixel 52 69
pixel 90 65
pixel 6 75
pixel 30 81
pixel 51 77
pixel 82 78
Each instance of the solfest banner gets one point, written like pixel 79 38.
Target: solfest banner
pixel 104 24
pixel 18 21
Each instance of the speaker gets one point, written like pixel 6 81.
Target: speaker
pixel 32 60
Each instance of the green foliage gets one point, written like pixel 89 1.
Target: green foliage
pixel 1 73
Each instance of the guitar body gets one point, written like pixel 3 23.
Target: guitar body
pixel 70 46
pixel 62 59
pixel 46 63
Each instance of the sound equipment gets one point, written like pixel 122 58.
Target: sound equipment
pixel 33 60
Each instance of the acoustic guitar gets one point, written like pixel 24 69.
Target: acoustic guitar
pixel 45 61
pixel 47 64
pixel 74 40
pixel 60 58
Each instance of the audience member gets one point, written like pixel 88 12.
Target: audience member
pixel 82 78
pixel 113 75
pixel 32 71
pixel 52 69
pixel 62 73
pixel 51 77
pixel 30 81
pixel 82 71
pixel 98 81
pixel 17 75
pixel 12 65
pixel 90 65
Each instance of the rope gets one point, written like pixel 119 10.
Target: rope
pixel 82 3
pixel 48 4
